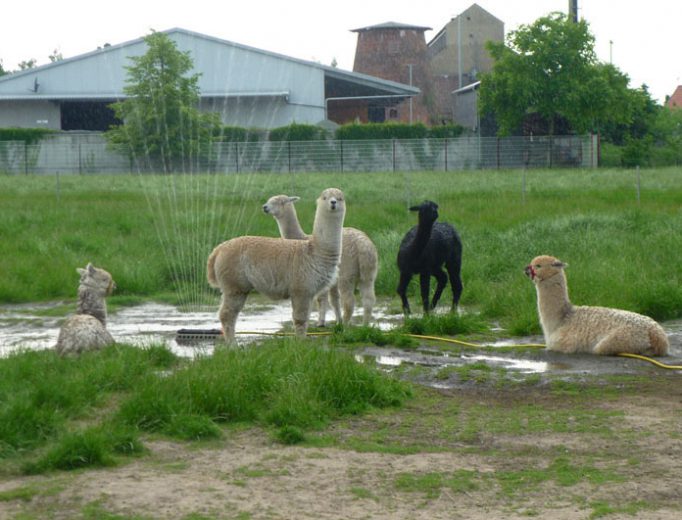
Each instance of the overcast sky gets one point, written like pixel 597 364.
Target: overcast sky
pixel 645 35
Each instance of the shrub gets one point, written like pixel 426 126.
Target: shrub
pixel 28 135
pixel 445 131
pixel 357 131
pixel 297 132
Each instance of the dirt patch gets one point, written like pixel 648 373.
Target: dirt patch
pixel 486 452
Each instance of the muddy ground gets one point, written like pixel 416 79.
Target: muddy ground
pixel 536 435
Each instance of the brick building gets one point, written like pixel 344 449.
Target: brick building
pixel 675 101
pixel 453 59
pixel 396 52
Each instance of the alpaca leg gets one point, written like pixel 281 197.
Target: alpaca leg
pixel 300 313
pixel 402 291
pixel 441 281
pixel 454 272
pixel 334 300
pixel 618 341
pixel 425 286
pixel 368 299
pixel 322 302
pixel 346 291
pixel 229 311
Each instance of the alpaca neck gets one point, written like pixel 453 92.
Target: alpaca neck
pixel 422 237
pixel 90 303
pixel 553 302
pixel 289 227
pixel 328 235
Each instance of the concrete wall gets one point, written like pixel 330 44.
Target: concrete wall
pixel 477 27
pixel 30 114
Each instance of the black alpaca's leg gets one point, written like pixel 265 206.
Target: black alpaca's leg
pixel 425 286
pixel 402 291
pixel 455 272
pixel 441 282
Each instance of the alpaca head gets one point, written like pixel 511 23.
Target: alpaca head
pixel 428 212
pixel 276 204
pixel 96 279
pixel 331 202
pixel 543 268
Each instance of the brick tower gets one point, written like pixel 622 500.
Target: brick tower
pixel 396 52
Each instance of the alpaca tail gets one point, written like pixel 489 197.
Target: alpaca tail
pixel 210 269
pixel 658 341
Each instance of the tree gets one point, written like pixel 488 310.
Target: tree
pixel 55 56
pixel 2 70
pixel 28 64
pixel 549 69
pixel 161 120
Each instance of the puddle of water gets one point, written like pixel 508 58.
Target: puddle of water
pixel 23 326
pixel 151 323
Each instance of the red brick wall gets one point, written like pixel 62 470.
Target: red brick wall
pixel 387 54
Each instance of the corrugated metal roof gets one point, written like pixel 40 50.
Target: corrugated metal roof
pixel 22 92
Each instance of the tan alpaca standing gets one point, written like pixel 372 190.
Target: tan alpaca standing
pixel 359 263
pixel 598 330
pixel 280 268
pixel 86 330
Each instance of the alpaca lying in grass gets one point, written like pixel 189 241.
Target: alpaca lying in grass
pixel 598 330
pixel 280 268
pixel 423 250
pixel 359 263
pixel 86 330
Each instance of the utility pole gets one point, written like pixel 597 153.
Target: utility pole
pixel 573 10
pixel 409 66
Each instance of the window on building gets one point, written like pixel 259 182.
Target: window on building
pixel 376 114
pixel 87 115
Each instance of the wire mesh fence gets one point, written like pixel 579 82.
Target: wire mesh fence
pixel 464 153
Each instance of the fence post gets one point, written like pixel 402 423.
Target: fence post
pixel 498 153
pixel 446 153
pixel 393 142
pixel 25 158
pixel 80 160
pixel 639 186
pixel 236 155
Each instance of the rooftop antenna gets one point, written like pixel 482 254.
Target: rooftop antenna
pixel 36 85
pixel 573 10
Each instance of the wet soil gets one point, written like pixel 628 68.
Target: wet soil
pixel 35 327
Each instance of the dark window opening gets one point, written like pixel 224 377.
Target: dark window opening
pixel 87 115
pixel 376 114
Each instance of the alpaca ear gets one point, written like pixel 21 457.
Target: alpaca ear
pixel 294 199
pixel 559 264
pixel 414 208
pixel 80 271
pixel 90 268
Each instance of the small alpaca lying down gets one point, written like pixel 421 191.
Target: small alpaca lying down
pixel 86 330
pixel 598 330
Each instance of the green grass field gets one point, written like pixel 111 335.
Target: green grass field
pixel 154 233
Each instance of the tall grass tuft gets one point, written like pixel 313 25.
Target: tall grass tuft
pixel 281 382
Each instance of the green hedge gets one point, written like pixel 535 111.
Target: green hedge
pixel 356 131
pixel 239 134
pixel 28 135
pixel 298 132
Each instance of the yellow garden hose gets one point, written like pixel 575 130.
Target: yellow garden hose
pixel 467 344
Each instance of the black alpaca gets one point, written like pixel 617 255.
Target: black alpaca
pixel 424 250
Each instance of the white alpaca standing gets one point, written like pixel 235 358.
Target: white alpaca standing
pixel 280 268
pixel 598 330
pixel 359 263
pixel 86 330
